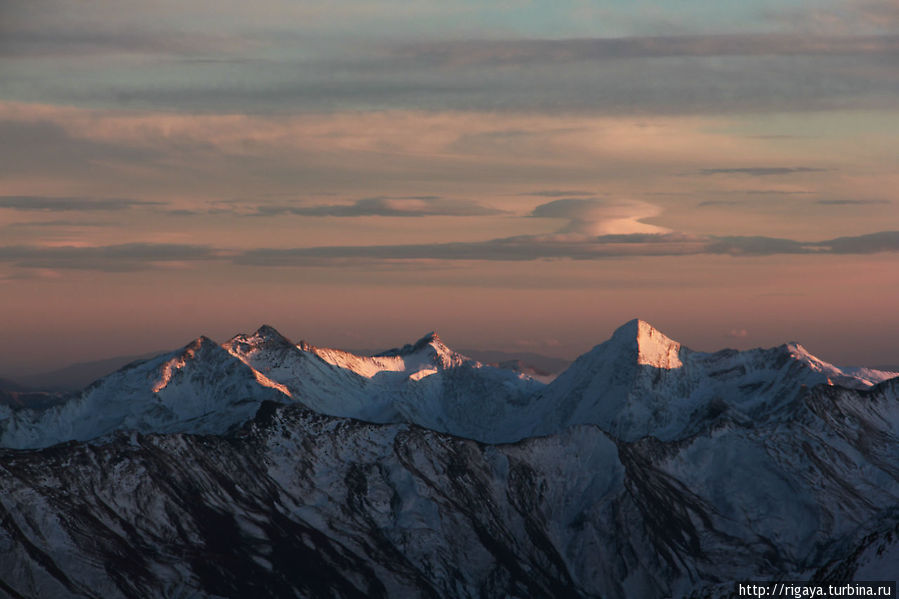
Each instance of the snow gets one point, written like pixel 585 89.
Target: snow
pixel 654 348
pixel 765 479
pixel 642 383
pixel 199 388
pixel 367 366
pixel 426 356
pixel 638 383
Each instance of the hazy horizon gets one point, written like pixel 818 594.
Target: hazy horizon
pixel 553 352
pixel 519 176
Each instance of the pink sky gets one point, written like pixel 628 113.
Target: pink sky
pixel 511 187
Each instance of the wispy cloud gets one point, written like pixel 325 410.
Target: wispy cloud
pixel 576 247
pixel 520 248
pixel 27 203
pixel 762 171
pixel 756 197
pixel 842 18
pixel 720 203
pixel 37 140
pixel 769 196
pixel 186 212
pixel 66 42
pixel 40 224
pixel 560 193
pixel 143 256
pixel 111 258
pixel 712 74
pixel 770 192
pixel 542 51
pixel 760 246
pixel 404 206
pixel 850 202
pixel 29 274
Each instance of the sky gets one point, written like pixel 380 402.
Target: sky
pixel 516 175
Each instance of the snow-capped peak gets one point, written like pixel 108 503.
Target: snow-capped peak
pixel 856 378
pixel 267 331
pixel 653 347
pixel 431 339
pixel 427 350
pixel 202 345
pixel 640 382
pixel 265 336
pixel 416 360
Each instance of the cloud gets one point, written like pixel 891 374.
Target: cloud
pixel 70 204
pixel 765 196
pixel 37 141
pixel 767 192
pixel 849 202
pixel 143 256
pixel 328 152
pixel 720 203
pixel 776 136
pixel 693 85
pixel 707 73
pixel 884 241
pixel 520 248
pixel 404 206
pixel 57 223
pixel 69 41
pixel 30 274
pixel 570 246
pixel 762 171
pixel 559 193
pixel 321 56
pixel 843 18
pixel 601 217
pixel 558 51
pixel 758 246
pixel 185 212
pixel 111 258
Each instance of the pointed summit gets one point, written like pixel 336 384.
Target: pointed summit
pixel 429 349
pixel 653 347
pixel 269 335
pixel 201 348
pixel 198 344
pixel 431 339
pixel 265 336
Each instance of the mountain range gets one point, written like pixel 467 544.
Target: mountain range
pixel 262 467
pixel 73 377
pixel 77 376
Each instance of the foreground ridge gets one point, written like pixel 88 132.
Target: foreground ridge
pixel 300 504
